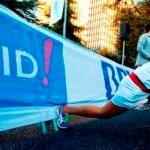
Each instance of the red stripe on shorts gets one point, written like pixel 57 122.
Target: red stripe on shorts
pixel 137 81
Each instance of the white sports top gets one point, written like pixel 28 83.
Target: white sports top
pixel 143 73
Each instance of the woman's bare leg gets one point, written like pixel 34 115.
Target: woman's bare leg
pixel 94 111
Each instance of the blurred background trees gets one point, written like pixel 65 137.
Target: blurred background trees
pixel 136 17
pixel 24 8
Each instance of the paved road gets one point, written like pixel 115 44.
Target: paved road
pixel 130 131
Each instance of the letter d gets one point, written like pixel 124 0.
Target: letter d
pixel 19 65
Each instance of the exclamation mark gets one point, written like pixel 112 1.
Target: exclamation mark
pixel 47 55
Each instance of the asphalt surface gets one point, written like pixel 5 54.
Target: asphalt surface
pixel 130 131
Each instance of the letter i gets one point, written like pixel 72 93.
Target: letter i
pixel 6 63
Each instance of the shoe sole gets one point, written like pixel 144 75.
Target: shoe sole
pixel 58 123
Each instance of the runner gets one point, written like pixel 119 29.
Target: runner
pixel 132 93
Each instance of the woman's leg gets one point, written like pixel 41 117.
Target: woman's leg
pixel 107 111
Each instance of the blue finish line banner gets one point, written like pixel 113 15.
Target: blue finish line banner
pixel 31 66
pixel 39 68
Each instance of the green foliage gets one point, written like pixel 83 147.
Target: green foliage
pixel 25 9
